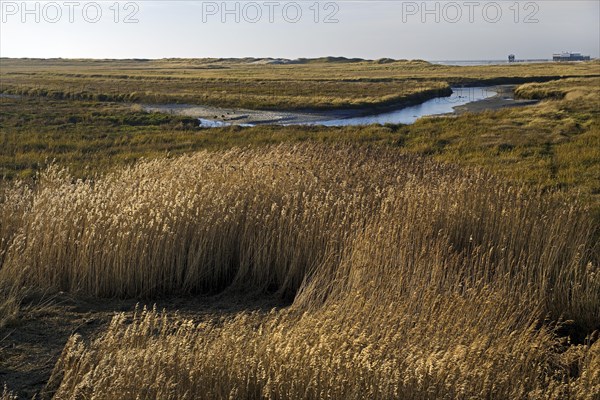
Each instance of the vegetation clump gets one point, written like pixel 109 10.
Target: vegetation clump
pixel 408 278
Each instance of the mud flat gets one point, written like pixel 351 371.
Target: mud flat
pixel 504 98
pixel 216 116
pixel 462 100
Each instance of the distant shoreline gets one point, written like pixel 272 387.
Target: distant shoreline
pixel 466 63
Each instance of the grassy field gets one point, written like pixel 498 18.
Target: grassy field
pixel 319 84
pixel 408 278
pixel 555 144
pixel 457 257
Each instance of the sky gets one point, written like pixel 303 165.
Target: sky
pixel 372 29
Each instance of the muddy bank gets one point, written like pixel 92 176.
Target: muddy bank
pixel 504 98
pixel 212 116
pixel 239 116
pixel 465 100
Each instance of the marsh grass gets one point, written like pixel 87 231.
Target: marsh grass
pixel 10 301
pixel 7 395
pixel 14 205
pixel 555 144
pixel 409 278
pixel 406 277
pixel 571 89
pixel 278 94
pixel 474 345
pixel 316 84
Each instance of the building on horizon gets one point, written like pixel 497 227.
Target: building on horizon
pixel 569 57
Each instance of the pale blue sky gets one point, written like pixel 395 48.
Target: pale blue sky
pixel 366 29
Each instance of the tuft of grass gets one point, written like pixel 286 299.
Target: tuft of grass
pixel 572 89
pixel 10 301
pixel 7 395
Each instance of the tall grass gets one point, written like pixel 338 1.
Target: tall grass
pixel 409 279
pixel 259 220
pixel 6 395
pixel 478 344
pixel 569 89
pixel 14 206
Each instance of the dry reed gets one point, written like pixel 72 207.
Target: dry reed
pixel 410 279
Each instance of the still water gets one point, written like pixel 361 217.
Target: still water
pixel 408 115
